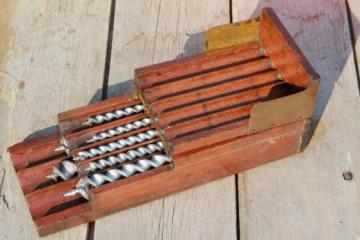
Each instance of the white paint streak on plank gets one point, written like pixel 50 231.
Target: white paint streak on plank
pixel 305 196
pixel 53 61
pixel 147 32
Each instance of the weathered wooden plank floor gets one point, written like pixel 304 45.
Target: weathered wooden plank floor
pixel 59 55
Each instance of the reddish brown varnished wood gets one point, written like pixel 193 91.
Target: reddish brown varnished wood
pixel 65 219
pixel 237 99
pixel 200 167
pixel 43 201
pixel 35 177
pixel 208 122
pixel 148 76
pixel 73 120
pixel 79 138
pixel 206 79
pixel 35 150
pixel 200 57
pixel 283 51
pixel 198 95
pixel 209 137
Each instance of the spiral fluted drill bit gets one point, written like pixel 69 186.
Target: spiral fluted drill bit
pixel 106 117
pixel 126 156
pixel 120 130
pixel 65 171
pixel 68 169
pixel 127 170
pixel 131 140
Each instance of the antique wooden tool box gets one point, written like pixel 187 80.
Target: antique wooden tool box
pixel 247 100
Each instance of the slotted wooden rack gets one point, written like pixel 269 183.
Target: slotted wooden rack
pixel 247 100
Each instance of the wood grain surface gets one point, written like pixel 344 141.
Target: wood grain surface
pixel 306 196
pixel 52 57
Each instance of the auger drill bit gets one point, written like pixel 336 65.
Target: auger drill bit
pixel 65 171
pixel 111 133
pixel 120 130
pixel 111 175
pixel 125 142
pixel 109 116
pixel 127 156
pixel 68 169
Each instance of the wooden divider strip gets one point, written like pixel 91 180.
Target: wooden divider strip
pixel 205 79
pixel 109 140
pixel 183 114
pixel 202 94
pixel 78 139
pixel 43 200
pixel 207 122
pixel 196 64
pixel 34 150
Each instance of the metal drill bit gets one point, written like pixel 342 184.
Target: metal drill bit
pixel 106 117
pixel 131 140
pixel 64 147
pixel 65 171
pixel 127 156
pixel 120 130
pixel 68 169
pixel 111 175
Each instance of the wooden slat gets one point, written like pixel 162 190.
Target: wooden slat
pixel 206 79
pixel 35 177
pixel 81 137
pixel 34 151
pixel 52 55
pixel 241 84
pixel 73 120
pixel 201 63
pixel 45 200
pixel 306 196
pixel 208 121
pixel 195 110
pixel 147 32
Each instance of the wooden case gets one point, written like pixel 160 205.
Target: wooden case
pixel 247 100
